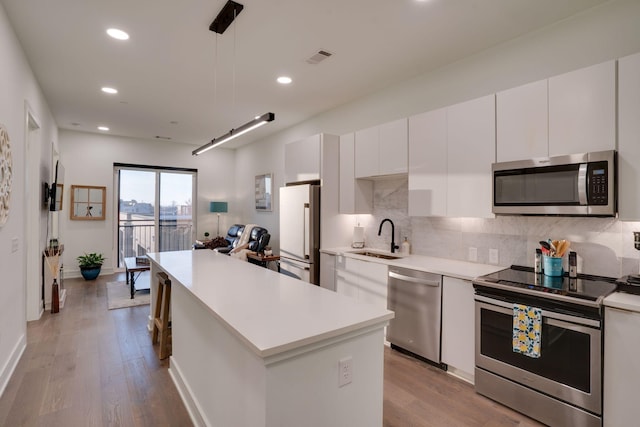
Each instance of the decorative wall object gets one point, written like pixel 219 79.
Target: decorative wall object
pixel 264 192
pixel 6 166
pixel 87 202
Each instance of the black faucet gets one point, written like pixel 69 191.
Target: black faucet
pixel 393 233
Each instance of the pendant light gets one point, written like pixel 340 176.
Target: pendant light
pixel 226 16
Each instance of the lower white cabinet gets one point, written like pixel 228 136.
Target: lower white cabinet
pixel 458 327
pixel 621 367
pixel 328 271
pixel 363 280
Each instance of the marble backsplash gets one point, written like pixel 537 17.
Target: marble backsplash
pixel 604 245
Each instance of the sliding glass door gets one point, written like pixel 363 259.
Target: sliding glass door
pixel 155 210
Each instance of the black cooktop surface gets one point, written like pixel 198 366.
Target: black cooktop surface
pixel 591 288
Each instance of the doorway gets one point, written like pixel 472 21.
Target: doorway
pixel 155 209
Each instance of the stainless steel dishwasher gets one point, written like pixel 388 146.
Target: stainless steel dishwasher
pixel 416 298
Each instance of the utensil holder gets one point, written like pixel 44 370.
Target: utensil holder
pixel 552 266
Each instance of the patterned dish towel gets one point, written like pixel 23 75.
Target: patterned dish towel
pixel 527 330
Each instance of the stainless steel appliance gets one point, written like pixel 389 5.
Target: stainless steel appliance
pixel 563 386
pixel 578 184
pixel 300 232
pixel 416 298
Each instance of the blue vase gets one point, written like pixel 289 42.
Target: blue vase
pixel 90 273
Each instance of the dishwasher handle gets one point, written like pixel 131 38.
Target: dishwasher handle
pixel 404 278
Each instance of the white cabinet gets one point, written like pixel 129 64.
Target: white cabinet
pixel 356 195
pixel 471 142
pixel 302 160
pixel 458 327
pixel 366 281
pixel 381 150
pixel 582 110
pixel 328 271
pixel 621 367
pixel 428 163
pixel 522 123
pixel 629 137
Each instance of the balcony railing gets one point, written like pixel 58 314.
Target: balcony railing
pixel 139 238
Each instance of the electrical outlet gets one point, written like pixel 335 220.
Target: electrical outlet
pixel 345 371
pixel 473 254
pixel 14 244
pixel 493 256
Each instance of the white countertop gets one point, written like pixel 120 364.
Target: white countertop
pixel 447 267
pixel 272 313
pixel 623 301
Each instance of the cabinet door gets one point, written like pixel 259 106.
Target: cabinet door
pixel 302 160
pixel 346 278
pixel 629 137
pixel 458 326
pixel 582 110
pixel 522 122
pixel 470 152
pixel 328 271
pixel 366 152
pixel 356 195
pixel 372 282
pixel 393 148
pixel 621 368
pixel 428 164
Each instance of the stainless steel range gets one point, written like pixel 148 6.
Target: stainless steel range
pixel 562 384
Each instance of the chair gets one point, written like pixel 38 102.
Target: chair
pixel 161 323
pixel 233 235
pixel 258 239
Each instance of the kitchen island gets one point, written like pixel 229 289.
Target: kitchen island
pixel 252 347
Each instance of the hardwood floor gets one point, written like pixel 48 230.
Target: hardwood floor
pixel 89 366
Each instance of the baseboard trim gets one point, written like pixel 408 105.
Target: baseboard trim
pixel 9 368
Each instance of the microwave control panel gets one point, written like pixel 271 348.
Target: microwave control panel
pixel 598 185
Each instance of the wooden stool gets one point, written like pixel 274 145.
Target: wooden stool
pixel 161 322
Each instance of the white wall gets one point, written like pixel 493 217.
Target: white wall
pixel 88 160
pixel 603 33
pixel 18 88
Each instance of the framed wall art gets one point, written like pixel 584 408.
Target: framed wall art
pixel 264 192
pixel 88 202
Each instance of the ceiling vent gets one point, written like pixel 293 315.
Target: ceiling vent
pixel 318 57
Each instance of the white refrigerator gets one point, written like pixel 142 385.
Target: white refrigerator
pixel 300 232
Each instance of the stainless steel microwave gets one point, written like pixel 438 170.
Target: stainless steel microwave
pixel 577 184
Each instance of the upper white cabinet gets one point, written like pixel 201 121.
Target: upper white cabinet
pixel 522 122
pixel 458 326
pixel 356 195
pixel 582 110
pixel 302 160
pixel 471 142
pixel 381 150
pixel 428 164
pixel 629 137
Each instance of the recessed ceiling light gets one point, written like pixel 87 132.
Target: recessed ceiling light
pixel 109 90
pixel 118 34
pixel 103 128
pixel 284 80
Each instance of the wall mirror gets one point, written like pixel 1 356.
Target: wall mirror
pixel 87 202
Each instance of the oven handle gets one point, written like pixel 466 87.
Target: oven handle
pixel 545 313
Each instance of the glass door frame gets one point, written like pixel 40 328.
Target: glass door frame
pixel 158 170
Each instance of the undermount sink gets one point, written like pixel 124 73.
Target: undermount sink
pixel 376 255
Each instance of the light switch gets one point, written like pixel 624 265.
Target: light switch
pixel 14 244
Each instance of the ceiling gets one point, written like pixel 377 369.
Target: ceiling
pixel 178 80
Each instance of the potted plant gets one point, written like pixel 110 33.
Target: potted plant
pixel 90 265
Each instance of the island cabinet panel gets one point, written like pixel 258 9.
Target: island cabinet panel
pixel 621 368
pixel 428 163
pixel 629 137
pixel 381 150
pixel 356 195
pixel 458 327
pixel 582 110
pixel 522 122
pixel 471 149
pixel 328 271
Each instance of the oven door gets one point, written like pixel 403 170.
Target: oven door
pixel 570 364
